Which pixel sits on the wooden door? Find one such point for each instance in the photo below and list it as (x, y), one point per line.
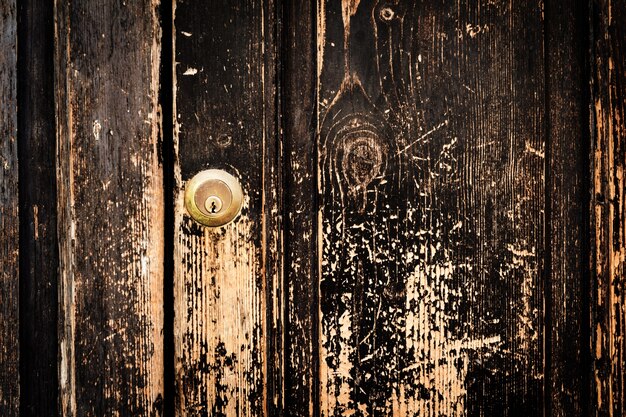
(432, 225)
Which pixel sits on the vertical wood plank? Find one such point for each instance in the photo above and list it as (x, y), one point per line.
(38, 207)
(566, 32)
(608, 217)
(110, 205)
(273, 208)
(226, 279)
(431, 165)
(9, 223)
(301, 257)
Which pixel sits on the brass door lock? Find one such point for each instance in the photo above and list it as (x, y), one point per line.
(213, 197)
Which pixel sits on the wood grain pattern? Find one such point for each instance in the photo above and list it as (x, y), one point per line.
(227, 280)
(567, 191)
(608, 217)
(434, 219)
(431, 158)
(300, 208)
(38, 207)
(9, 223)
(110, 205)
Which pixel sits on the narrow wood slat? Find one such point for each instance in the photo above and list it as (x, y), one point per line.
(567, 96)
(110, 207)
(431, 160)
(9, 224)
(227, 279)
(301, 258)
(608, 215)
(39, 253)
(273, 202)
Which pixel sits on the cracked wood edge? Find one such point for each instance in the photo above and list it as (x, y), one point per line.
(110, 207)
(227, 280)
(9, 223)
(608, 202)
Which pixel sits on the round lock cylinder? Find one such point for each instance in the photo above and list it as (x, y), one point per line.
(213, 197)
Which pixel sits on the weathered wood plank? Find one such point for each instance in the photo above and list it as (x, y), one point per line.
(566, 32)
(9, 224)
(431, 160)
(273, 197)
(608, 216)
(301, 257)
(110, 208)
(38, 206)
(226, 280)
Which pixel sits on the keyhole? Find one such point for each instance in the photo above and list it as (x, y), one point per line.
(213, 204)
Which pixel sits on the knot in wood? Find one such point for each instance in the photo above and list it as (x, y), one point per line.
(386, 14)
(363, 160)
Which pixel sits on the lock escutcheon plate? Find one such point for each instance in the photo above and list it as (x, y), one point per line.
(213, 197)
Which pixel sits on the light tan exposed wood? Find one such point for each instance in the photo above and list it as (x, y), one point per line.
(608, 209)
(221, 337)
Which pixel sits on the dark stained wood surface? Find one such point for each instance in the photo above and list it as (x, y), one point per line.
(273, 195)
(9, 223)
(431, 158)
(38, 228)
(301, 395)
(567, 194)
(110, 208)
(433, 222)
(226, 280)
(608, 216)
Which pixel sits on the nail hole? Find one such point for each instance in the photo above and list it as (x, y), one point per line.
(387, 13)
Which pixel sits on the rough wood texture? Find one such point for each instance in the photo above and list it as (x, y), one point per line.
(608, 216)
(226, 282)
(567, 191)
(110, 207)
(435, 159)
(300, 165)
(9, 225)
(432, 144)
(39, 249)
